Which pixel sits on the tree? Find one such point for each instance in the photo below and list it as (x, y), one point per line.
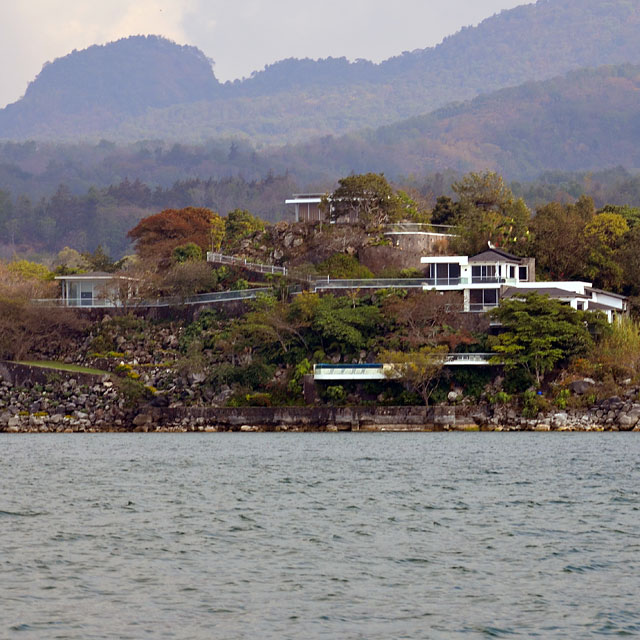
(489, 212)
(604, 234)
(26, 270)
(100, 260)
(69, 261)
(538, 332)
(239, 225)
(445, 212)
(342, 327)
(419, 369)
(485, 191)
(189, 278)
(158, 235)
(420, 318)
(189, 252)
(560, 246)
(367, 198)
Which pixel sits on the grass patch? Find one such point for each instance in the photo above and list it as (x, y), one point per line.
(63, 366)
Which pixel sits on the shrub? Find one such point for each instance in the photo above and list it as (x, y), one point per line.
(502, 397)
(533, 404)
(336, 394)
(341, 265)
(562, 398)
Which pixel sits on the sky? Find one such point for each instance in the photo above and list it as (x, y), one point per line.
(240, 36)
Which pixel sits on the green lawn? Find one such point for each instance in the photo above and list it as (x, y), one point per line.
(63, 366)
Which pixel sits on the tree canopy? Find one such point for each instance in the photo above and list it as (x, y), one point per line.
(538, 332)
(157, 236)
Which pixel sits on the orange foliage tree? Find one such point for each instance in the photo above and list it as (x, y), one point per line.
(158, 235)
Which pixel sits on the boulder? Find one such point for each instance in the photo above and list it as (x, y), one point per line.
(580, 387)
(142, 419)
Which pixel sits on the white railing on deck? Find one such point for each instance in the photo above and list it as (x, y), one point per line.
(235, 261)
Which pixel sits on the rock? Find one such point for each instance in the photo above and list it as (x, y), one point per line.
(542, 426)
(246, 427)
(628, 421)
(453, 396)
(197, 378)
(559, 420)
(580, 387)
(142, 419)
(481, 419)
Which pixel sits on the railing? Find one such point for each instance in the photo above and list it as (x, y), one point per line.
(174, 301)
(454, 359)
(417, 227)
(235, 261)
(482, 307)
(369, 283)
(493, 280)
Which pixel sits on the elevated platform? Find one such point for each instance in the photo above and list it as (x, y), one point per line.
(365, 372)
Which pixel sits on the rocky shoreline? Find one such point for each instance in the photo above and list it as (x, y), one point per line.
(67, 406)
(38, 400)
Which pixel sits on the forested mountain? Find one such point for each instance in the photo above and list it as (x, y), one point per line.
(149, 88)
(103, 86)
(586, 120)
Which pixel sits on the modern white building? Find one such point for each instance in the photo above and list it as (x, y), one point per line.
(494, 274)
(96, 289)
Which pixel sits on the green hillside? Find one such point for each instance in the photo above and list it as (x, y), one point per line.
(588, 119)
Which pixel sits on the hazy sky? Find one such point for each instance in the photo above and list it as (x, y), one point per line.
(241, 36)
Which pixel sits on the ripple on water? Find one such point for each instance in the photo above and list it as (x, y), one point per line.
(318, 536)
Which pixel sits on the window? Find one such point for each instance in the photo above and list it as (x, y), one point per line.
(483, 299)
(483, 273)
(523, 274)
(444, 274)
(512, 271)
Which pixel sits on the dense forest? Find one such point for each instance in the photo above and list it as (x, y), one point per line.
(585, 121)
(147, 87)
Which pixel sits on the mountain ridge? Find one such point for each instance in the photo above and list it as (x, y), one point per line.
(293, 100)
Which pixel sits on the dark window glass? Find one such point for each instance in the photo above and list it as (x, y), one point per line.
(491, 296)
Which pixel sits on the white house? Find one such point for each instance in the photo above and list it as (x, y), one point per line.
(97, 289)
(494, 274)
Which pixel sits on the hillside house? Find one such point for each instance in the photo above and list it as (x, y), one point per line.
(96, 289)
(494, 274)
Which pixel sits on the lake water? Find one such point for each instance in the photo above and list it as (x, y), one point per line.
(340, 536)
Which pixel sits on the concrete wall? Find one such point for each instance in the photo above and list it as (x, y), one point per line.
(17, 374)
(314, 418)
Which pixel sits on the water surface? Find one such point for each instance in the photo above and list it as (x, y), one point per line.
(367, 536)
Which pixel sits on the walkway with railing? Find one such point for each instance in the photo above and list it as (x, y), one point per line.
(174, 301)
(418, 227)
(235, 261)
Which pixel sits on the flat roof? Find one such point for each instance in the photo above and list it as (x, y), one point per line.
(552, 292)
(95, 275)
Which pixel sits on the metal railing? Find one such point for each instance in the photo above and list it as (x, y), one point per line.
(174, 301)
(235, 261)
(418, 227)
(369, 283)
(482, 307)
(493, 280)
